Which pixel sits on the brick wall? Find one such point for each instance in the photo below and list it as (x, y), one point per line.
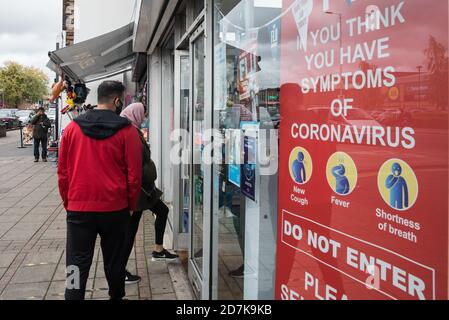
(68, 23)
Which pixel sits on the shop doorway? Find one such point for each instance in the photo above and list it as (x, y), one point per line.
(191, 230)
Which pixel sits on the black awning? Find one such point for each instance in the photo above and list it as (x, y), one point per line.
(109, 53)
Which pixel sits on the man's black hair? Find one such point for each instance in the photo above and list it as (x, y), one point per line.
(109, 90)
(41, 109)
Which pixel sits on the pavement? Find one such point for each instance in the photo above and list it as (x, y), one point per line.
(33, 239)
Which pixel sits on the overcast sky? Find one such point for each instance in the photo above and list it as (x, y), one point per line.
(28, 30)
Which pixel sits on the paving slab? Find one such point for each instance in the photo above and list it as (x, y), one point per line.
(165, 296)
(19, 211)
(4, 227)
(60, 273)
(161, 283)
(42, 257)
(56, 291)
(6, 259)
(157, 267)
(11, 218)
(19, 234)
(28, 291)
(38, 273)
(54, 234)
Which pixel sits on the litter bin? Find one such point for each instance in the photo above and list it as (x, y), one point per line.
(2, 130)
(53, 155)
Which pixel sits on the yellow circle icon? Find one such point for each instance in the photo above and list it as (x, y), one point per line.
(300, 165)
(397, 184)
(341, 173)
(393, 93)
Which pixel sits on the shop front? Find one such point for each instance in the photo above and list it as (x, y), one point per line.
(302, 145)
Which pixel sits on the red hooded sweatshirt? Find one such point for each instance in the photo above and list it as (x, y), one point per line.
(100, 163)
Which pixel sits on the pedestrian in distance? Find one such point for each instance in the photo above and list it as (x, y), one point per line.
(99, 177)
(150, 196)
(41, 123)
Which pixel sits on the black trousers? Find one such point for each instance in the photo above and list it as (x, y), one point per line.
(43, 142)
(82, 231)
(161, 212)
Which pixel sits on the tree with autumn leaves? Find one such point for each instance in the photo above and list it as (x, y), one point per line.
(21, 84)
(437, 66)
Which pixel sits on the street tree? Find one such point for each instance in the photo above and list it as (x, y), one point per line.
(22, 84)
(437, 65)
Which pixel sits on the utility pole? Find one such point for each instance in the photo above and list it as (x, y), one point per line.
(57, 106)
(419, 86)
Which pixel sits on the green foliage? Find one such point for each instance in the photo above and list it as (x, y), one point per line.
(437, 65)
(22, 84)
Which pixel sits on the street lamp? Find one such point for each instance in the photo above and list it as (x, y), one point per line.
(419, 86)
(341, 44)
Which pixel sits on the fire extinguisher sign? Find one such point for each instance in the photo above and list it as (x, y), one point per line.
(363, 199)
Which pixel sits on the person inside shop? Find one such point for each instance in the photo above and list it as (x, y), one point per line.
(41, 124)
(150, 196)
(99, 178)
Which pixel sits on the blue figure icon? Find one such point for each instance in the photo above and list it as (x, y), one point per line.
(299, 169)
(398, 188)
(342, 182)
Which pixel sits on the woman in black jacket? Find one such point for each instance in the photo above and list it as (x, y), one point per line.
(150, 197)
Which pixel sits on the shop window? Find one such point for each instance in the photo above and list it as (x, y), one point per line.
(247, 114)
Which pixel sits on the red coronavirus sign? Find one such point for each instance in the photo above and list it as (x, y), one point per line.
(363, 199)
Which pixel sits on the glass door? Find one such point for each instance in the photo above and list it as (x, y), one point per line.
(182, 172)
(198, 260)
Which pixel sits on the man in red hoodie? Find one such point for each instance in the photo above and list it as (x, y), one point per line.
(99, 178)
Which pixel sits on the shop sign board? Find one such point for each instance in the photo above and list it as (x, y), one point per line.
(362, 204)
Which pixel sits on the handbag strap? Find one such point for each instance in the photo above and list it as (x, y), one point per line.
(148, 194)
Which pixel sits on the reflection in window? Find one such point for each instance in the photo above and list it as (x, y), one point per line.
(246, 94)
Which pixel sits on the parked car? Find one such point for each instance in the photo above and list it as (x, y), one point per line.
(14, 111)
(395, 116)
(25, 116)
(8, 118)
(356, 117)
